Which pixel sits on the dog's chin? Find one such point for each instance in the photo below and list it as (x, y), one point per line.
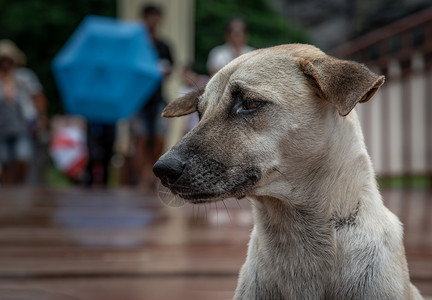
(197, 198)
(203, 195)
(202, 198)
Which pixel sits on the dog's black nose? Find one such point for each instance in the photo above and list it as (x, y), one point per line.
(169, 169)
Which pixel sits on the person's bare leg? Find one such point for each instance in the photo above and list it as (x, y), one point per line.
(6, 174)
(20, 175)
(141, 145)
(152, 181)
(151, 152)
(158, 148)
(142, 159)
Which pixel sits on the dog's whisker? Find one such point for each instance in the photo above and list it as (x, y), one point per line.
(198, 214)
(165, 193)
(226, 208)
(205, 209)
(280, 172)
(217, 214)
(251, 202)
(169, 199)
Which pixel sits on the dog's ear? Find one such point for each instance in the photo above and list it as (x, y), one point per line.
(343, 83)
(183, 105)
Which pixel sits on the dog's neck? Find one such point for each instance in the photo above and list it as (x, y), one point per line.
(327, 185)
(303, 223)
(286, 237)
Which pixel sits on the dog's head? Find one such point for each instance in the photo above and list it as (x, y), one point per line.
(262, 117)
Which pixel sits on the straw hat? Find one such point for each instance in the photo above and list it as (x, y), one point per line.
(10, 50)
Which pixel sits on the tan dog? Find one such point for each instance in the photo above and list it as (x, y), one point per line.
(277, 127)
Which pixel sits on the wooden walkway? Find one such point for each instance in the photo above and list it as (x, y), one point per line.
(122, 245)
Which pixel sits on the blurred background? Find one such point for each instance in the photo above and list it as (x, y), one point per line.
(81, 214)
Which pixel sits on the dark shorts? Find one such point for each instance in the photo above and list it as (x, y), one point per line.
(16, 148)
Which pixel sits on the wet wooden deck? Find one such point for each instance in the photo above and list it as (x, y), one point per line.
(120, 244)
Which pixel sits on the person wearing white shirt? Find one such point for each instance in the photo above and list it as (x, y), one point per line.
(236, 38)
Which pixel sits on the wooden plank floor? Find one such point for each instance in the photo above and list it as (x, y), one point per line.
(120, 244)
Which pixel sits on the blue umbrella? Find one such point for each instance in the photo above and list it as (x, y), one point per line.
(107, 70)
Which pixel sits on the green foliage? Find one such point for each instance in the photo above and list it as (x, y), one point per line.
(400, 182)
(266, 26)
(41, 27)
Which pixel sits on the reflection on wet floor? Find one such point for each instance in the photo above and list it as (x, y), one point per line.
(120, 244)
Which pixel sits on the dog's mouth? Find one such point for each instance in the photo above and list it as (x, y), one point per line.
(200, 180)
(171, 198)
(194, 196)
(200, 197)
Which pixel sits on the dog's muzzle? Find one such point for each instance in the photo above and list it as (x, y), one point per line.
(196, 176)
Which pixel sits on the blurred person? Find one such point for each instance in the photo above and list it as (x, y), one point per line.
(22, 113)
(236, 39)
(152, 129)
(100, 143)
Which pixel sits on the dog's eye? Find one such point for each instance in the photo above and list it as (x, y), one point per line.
(251, 104)
(245, 105)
